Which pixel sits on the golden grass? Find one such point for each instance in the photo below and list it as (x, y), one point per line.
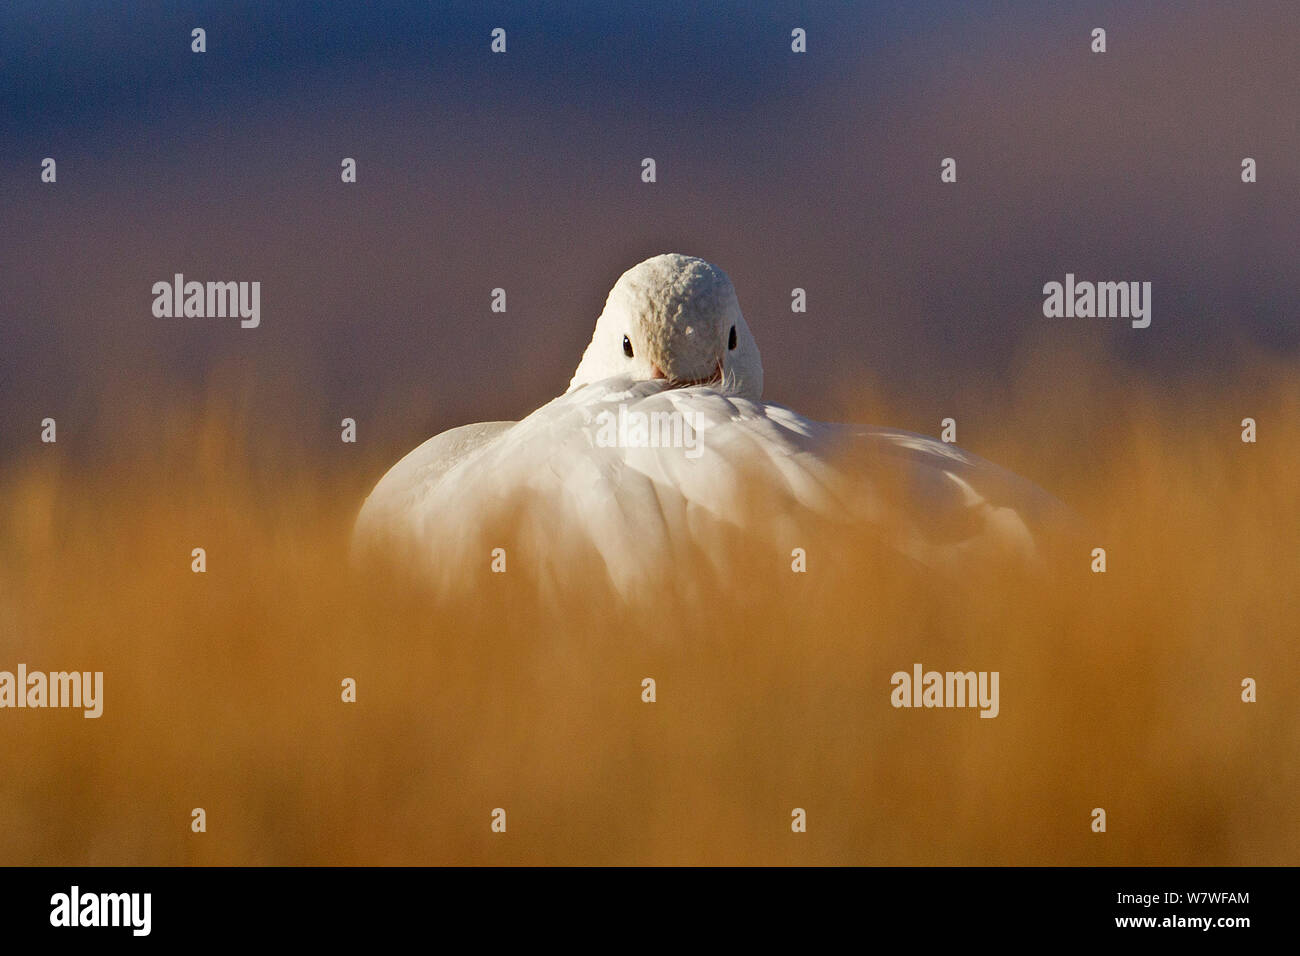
(222, 689)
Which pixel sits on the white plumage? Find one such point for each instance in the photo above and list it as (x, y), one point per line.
(661, 458)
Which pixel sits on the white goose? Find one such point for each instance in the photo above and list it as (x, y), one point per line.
(661, 456)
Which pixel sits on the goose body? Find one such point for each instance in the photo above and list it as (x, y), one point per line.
(662, 449)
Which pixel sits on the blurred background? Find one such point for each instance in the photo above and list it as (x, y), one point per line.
(522, 171)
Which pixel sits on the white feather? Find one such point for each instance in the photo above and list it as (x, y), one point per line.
(557, 493)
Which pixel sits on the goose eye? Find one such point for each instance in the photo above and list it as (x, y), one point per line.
(627, 347)
(731, 342)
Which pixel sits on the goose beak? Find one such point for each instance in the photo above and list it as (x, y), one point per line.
(657, 373)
